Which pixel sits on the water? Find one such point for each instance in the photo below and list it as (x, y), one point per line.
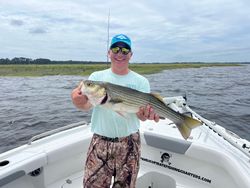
(29, 106)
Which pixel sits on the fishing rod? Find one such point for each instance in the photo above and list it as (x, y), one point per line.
(108, 36)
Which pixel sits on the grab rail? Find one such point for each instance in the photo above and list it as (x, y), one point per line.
(224, 135)
(48, 133)
(180, 101)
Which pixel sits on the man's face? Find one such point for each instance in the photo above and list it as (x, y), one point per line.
(120, 55)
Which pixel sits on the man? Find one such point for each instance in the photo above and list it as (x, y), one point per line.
(115, 147)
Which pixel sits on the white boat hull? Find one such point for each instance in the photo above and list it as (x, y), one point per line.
(205, 160)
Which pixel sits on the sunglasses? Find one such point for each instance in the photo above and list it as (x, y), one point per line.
(118, 49)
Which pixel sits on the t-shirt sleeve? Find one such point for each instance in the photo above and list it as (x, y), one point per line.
(93, 76)
(144, 86)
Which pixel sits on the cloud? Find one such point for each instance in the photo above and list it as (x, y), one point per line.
(16, 22)
(164, 30)
(38, 30)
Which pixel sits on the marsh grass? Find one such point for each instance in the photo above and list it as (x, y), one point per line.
(86, 69)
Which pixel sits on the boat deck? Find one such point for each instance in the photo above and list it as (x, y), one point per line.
(75, 181)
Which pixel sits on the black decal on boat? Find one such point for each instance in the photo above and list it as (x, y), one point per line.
(165, 157)
(207, 180)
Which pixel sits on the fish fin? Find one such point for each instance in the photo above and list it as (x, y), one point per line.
(191, 122)
(115, 101)
(123, 114)
(187, 125)
(184, 130)
(158, 96)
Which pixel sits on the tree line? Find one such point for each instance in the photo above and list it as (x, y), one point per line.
(44, 61)
(41, 61)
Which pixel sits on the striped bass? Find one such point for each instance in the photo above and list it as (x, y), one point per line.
(126, 100)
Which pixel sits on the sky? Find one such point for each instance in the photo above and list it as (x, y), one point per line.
(160, 30)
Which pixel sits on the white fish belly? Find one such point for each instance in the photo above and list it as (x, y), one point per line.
(120, 107)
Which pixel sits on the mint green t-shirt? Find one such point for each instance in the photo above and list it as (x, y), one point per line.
(108, 123)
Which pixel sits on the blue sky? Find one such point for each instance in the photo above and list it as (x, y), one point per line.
(161, 31)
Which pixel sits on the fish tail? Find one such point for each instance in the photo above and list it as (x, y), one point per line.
(187, 125)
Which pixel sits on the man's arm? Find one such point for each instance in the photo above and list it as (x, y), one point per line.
(79, 99)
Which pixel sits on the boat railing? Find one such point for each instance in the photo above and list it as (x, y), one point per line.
(220, 132)
(181, 102)
(48, 133)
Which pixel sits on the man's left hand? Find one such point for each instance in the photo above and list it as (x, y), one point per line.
(147, 113)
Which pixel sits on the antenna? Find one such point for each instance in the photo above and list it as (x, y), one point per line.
(108, 38)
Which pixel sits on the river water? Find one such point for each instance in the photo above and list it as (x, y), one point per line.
(29, 106)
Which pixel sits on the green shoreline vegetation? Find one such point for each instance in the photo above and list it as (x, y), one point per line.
(34, 70)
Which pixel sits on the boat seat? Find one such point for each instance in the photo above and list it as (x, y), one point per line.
(166, 142)
(155, 179)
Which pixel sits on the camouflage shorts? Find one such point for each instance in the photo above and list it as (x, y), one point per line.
(112, 157)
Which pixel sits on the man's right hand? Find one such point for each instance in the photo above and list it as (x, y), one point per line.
(79, 99)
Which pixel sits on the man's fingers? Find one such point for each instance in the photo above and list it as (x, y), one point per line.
(141, 111)
(140, 114)
(79, 87)
(156, 118)
(147, 111)
(150, 114)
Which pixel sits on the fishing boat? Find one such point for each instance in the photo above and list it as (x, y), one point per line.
(211, 157)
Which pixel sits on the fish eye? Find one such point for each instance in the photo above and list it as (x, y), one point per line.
(89, 84)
